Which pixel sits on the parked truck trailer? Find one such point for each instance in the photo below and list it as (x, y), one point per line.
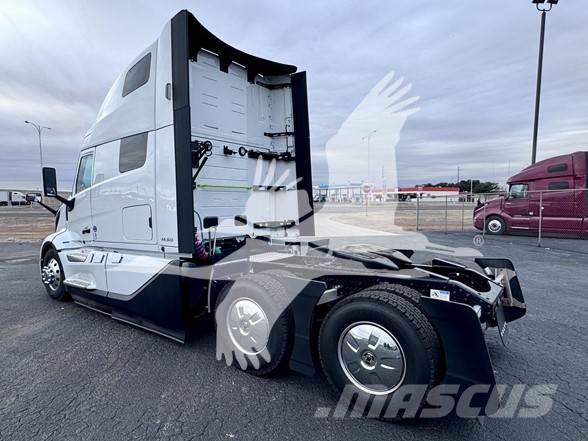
(18, 198)
(4, 197)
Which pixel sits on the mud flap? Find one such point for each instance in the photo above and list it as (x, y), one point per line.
(467, 361)
(503, 329)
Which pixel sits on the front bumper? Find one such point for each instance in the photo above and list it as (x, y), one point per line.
(478, 220)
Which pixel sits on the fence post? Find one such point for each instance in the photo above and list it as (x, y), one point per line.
(446, 208)
(462, 214)
(484, 226)
(540, 218)
(418, 205)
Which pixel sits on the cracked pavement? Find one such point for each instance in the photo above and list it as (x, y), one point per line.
(68, 373)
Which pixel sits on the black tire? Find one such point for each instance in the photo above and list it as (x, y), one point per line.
(56, 290)
(495, 225)
(400, 290)
(271, 296)
(419, 344)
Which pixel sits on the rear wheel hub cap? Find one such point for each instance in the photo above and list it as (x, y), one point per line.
(371, 358)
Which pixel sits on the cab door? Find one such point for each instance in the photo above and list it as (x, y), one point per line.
(516, 207)
(79, 217)
(84, 266)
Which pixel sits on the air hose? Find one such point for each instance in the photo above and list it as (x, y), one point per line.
(199, 249)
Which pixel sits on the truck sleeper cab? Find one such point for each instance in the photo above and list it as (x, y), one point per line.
(193, 195)
(559, 185)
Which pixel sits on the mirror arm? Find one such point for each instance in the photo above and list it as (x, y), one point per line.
(69, 203)
(47, 207)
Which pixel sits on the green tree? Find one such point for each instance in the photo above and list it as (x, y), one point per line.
(466, 186)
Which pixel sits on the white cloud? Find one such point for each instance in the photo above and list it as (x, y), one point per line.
(473, 65)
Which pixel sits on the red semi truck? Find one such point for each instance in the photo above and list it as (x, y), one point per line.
(557, 184)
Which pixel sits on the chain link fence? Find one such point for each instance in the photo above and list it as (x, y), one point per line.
(532, 216)
(538, 215)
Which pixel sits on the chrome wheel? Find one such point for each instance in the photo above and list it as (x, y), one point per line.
(371, 358)
(51, 274)
(495, 226)
(248, 326)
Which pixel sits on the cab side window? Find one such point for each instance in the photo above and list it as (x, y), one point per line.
(519, 190)
(132, 153)
(84, 178)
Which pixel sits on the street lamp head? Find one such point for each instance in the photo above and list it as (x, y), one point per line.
(26, 122)
(546, 8)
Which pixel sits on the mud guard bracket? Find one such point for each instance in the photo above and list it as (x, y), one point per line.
(519, 308)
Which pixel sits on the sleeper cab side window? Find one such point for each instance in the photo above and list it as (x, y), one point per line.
(558, 168)
(563, 185)
(138, 75)
(133, 152)
(84, 178)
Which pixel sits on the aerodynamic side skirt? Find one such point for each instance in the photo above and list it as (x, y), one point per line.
(101, 304)
(159, 306)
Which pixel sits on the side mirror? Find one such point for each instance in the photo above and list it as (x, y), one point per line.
(210, 222)
(49, 182)
(50, 187)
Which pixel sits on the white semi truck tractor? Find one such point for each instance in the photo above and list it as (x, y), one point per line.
(193, 196)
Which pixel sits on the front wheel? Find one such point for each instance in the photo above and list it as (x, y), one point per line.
(495, 225)
(52, 276)
(380, 345)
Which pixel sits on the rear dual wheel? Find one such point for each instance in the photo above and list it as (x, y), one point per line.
(254, 324)
(375, 342)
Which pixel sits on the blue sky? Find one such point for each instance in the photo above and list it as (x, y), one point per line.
(473, 65)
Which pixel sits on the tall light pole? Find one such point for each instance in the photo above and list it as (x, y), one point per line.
(39, 128)
(368, 137)
(544, 9)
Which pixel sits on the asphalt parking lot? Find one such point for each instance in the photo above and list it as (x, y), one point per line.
(70, 373)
